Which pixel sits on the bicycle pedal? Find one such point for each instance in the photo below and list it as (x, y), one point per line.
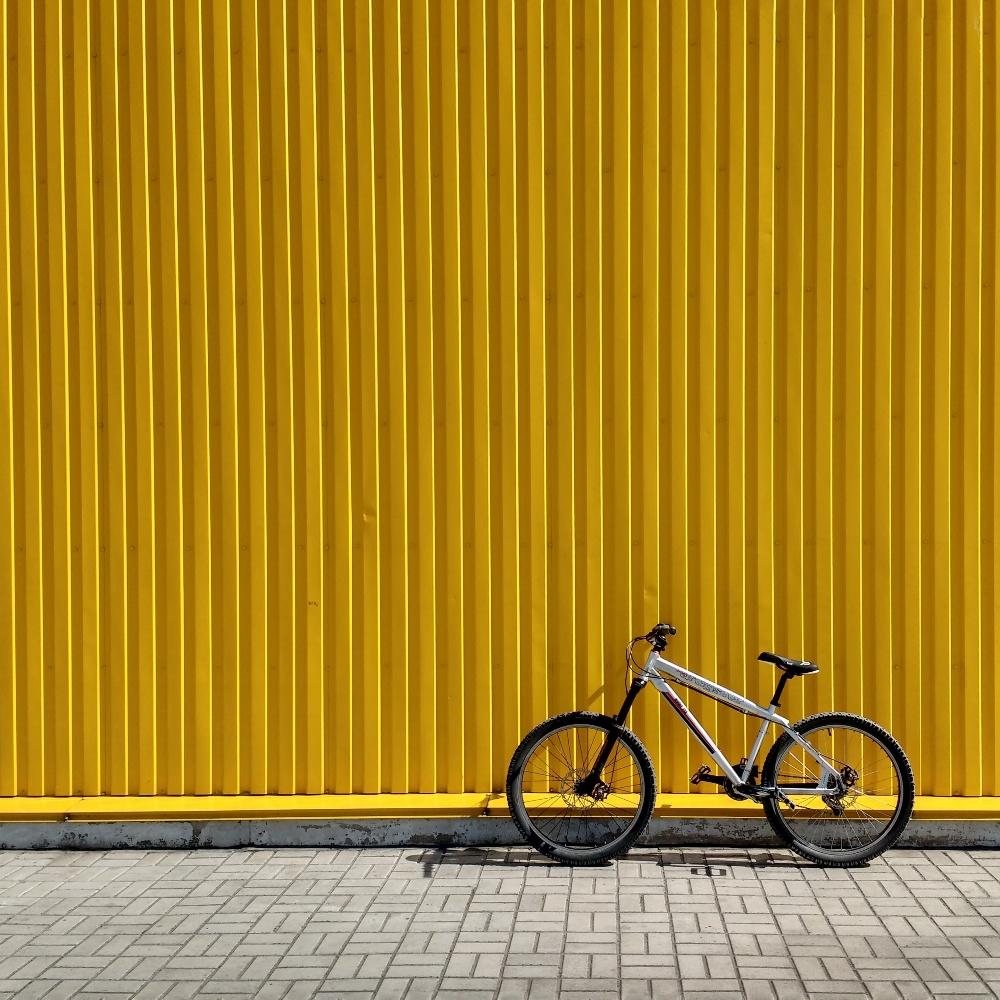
(699, 774)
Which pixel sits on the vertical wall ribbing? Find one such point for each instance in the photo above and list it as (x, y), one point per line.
(8, 482)
(372, 372)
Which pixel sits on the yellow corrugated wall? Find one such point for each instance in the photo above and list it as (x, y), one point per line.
(371, 372)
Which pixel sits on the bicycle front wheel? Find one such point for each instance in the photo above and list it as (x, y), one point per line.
(552, 811)
(867, 807)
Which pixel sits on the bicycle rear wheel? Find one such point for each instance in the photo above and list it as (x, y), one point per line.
(551, 812)
(864, 814)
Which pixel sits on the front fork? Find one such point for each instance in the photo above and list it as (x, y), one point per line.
(589, 784)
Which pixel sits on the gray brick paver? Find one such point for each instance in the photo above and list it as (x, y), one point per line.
(503, 924)
(152, 990)
(392, 989)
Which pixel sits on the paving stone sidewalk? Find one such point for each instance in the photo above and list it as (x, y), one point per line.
(498, 924)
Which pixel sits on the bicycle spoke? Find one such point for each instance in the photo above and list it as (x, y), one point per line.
(815, 821)
(574, 820)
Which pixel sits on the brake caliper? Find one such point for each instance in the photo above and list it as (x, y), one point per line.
(848, 779)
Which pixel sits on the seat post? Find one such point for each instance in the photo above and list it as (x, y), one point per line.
(777, 691)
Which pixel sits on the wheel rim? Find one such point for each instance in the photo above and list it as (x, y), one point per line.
(863, 803)
(548, 800)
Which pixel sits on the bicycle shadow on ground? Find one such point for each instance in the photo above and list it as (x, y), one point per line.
(687, 862)
(480, 857)
(703, 861)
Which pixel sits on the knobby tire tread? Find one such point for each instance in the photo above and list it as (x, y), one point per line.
(607, 852)
(907, 789)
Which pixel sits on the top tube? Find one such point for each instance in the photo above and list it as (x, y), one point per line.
(656, 664)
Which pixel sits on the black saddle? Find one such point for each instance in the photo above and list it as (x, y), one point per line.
(793, 668)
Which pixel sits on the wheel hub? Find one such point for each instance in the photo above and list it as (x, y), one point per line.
(846, 792)
(577, 792)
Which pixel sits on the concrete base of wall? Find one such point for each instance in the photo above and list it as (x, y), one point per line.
(471, 832)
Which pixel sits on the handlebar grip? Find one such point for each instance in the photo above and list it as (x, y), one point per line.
(663, 628)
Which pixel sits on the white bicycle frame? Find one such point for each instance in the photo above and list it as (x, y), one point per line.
(654, 670)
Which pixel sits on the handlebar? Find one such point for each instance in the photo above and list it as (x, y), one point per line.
(657, 635)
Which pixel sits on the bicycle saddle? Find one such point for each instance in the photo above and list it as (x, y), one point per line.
(794, 668)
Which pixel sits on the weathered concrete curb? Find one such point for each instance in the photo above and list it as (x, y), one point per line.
(472, 832)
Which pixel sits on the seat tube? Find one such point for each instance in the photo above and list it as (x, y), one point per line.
(756, 748)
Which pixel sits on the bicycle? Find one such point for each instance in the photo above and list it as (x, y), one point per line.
(836, 788)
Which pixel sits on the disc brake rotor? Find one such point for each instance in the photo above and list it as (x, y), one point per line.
(575, 799)
(847, 790)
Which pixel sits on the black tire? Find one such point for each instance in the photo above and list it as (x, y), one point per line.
(881, 829)
(602, 835)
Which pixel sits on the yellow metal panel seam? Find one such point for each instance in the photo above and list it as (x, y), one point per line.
(868, 413)
(478, 520)
(560, 394)
(338, 598)
(702, 437)
(57, 635)
(591, 648)
(732, 312)
(852, 620)
(820, 327)
(8, 593)
(368, 658)
(300, 287)
(181, 383)
(762, 485)
(534, 570)
(812, 348)
(937, 472)
(968, 331)
(227, 557)
(313, 722)
(991, 361)
(421, 425)
(673, 455)
(448, 380)
(114, 647)
(278, 662)
(646, 471)
(913, 404)
(392, 336)
(510, 633)
(87, 693)
(145, 766)
(790, 354)
(28, 468)
(879, 532)
(256, 776)
(202, 667)
(285, 535)
(168, 461)
(617, 323)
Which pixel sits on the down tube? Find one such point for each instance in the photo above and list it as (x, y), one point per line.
(695, 726)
